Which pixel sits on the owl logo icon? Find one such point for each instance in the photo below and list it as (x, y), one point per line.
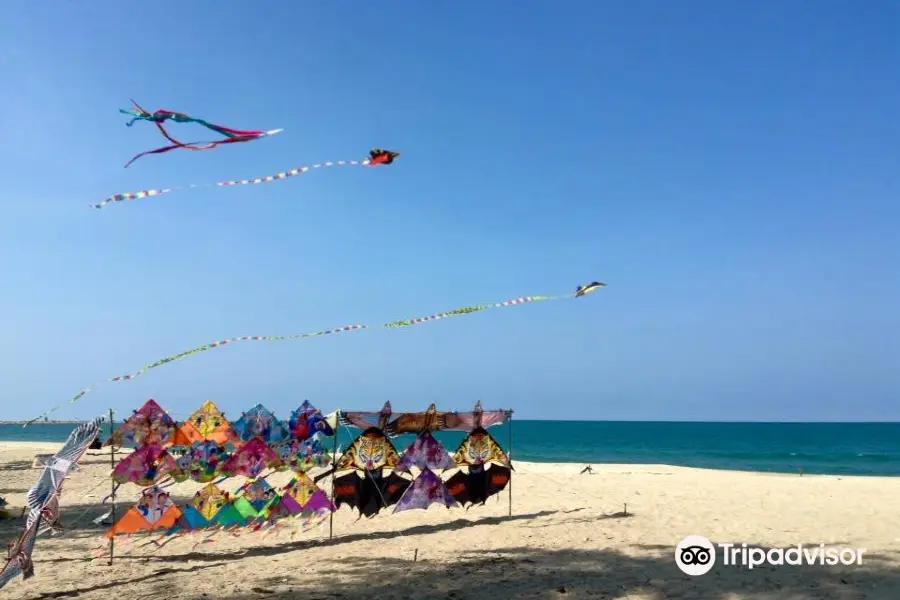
(695, 555)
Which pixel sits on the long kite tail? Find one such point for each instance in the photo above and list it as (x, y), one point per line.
(159, 117)
(298, 336)
(198, 146)
(267, 179)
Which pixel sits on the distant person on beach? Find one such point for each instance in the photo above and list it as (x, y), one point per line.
(588, 469)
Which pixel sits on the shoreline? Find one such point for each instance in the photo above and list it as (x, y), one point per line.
(541, 467)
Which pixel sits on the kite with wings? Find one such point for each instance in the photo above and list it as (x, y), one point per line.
(485, 469)
(466, 421)
(365, 487)
(430, 420)
(43, 501)
(364, 420)
(583, 290)
(377, 156)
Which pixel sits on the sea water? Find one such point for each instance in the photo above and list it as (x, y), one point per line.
(815, 448)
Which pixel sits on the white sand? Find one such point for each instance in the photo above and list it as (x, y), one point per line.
(565, 540)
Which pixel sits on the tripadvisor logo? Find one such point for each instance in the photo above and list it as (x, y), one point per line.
(695, 555)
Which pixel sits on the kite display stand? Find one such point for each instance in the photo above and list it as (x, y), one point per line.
(112, 464)
(509, 446)
(218, 450)
(333, 466)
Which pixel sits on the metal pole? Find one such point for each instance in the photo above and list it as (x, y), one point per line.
(337, 429)
(510, 444)
(112, 464)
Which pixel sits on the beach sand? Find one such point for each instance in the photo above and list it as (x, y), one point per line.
(567, 538)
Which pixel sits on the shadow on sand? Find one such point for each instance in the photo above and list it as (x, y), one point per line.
(530, 573)
(647, 572)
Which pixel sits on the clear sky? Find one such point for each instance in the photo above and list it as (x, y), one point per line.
(732, 170)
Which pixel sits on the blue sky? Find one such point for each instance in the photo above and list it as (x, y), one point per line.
(731, 171)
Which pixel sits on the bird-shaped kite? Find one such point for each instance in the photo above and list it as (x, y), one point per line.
(583, 290)
(377, 156)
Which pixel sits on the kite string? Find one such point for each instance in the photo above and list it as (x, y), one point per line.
(257, 338)
(87, 494)
(250, 528)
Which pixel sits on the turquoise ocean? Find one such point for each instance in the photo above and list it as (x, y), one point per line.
(815, 448)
